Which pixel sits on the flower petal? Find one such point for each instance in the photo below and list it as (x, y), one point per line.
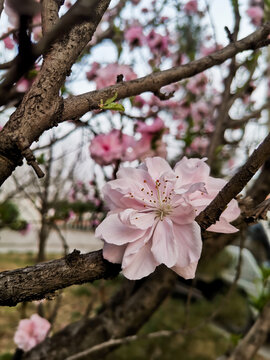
(192, 170)
(222, 226)
(113, 231)
(163, 245)
(189, 243)
(157, 166)
(113, 253)
(187, 272)
(142, 263)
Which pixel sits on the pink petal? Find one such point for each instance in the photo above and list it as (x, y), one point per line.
(113, 231)
(187, 272)
(138, 219)
(113, 253)
(183, 214)
(189, 243)
(163, 245)
(232, 211)
(142, 263)
(192, 170)
(157, 166)
(222, 226)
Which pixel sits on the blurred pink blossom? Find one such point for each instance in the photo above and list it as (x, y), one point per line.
(158, 43)
(31, 332)
(256, 15)
(191, 7)
(108, 75)
(93, 72)
(152, 217)
(9, 43)
(157, 125)
(107, 148)
(134, 36)
(199, 111)
(197, 84)
(199, 145)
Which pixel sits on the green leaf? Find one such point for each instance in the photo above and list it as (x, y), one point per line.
(110, 100)
(114, 106)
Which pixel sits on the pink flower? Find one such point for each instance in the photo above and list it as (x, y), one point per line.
(197, 84)
(200, 145)
(31, 332)
(134, 36)
(156, 126)
(191, 7)
(152, 217)
(256, 15)
(106, 148)
(146, 147)
(199, 111)
(158, 43)
(92, 73)
(9, 43)
(23, 84)
(108, 75)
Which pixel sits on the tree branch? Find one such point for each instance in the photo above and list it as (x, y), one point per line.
(42, 106)
(256, 336)
(126, 312)
(213, 211)
(76, 106)
(36, 282)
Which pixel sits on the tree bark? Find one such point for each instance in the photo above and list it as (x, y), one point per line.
(128, 310)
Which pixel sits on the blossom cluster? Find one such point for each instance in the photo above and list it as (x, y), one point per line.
(152, 216)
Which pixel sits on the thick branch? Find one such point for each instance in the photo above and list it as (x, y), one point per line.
(76, 106)
(36, 282)
(41, 106)
(128, 310)
(256, 336)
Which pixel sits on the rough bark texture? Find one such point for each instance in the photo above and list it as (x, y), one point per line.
(36, 282)
(128, 310)
(42, 107)
(254, 339)
(261, 187)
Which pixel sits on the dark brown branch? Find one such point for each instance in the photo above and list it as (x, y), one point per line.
(79, 13)
(36, 282)
(208, 216)
(76, 106)
(41, 107)
(255, 338)
(127, 311)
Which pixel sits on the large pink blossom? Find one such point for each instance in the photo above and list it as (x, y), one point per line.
(106, 148)
(152, 217)
(256, 15)
(31, 332)
(108, 75)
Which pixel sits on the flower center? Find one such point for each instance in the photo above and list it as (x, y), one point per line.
(163, 210)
